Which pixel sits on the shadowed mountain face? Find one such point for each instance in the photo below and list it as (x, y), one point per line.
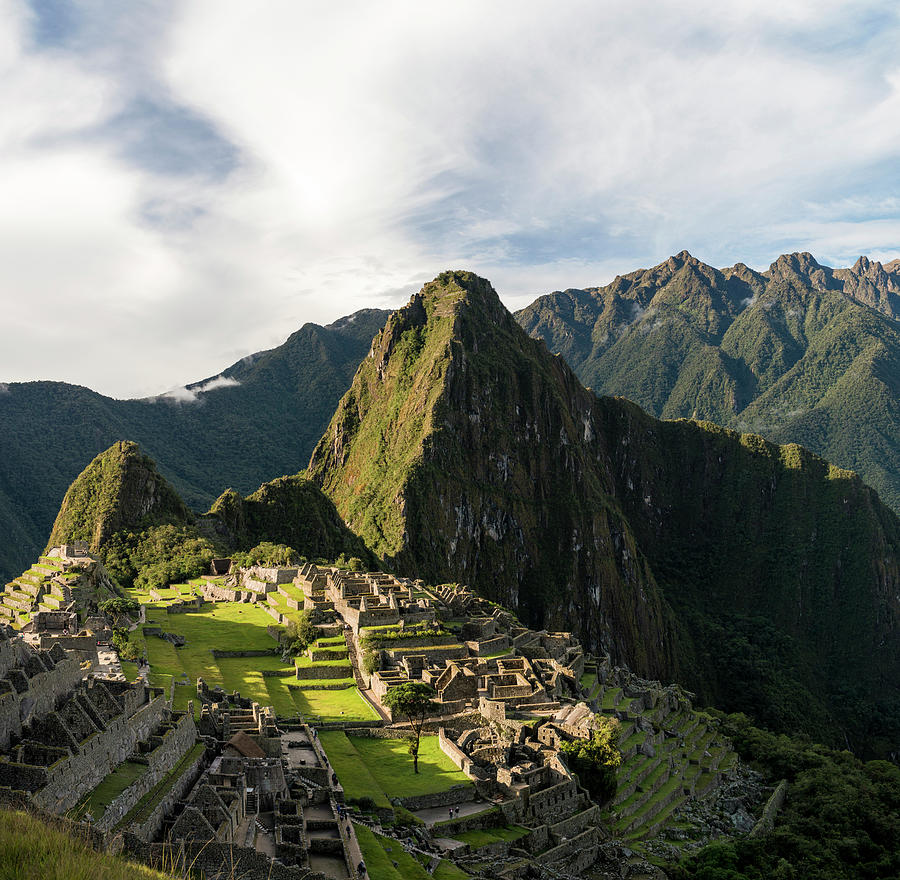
(262, 423)
(759, 575)
(801, 353)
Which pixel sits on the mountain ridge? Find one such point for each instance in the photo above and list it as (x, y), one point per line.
(202, 443)
(800, 353)
(465, 451)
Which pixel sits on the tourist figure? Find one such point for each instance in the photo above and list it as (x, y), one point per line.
(451, 812)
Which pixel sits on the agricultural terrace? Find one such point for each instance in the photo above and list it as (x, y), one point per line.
(382, 769)
(238, 626)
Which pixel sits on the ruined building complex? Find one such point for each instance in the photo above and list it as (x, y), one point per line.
(241, 785)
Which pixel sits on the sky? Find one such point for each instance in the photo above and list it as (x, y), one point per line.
(185, 182)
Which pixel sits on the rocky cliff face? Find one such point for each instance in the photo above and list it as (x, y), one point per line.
(119, 490)
(465, 451)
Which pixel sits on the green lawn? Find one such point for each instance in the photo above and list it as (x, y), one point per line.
(236, 626)
(351, 769)
(483, 837)
(341, 705)
(368, 766)
(110, 788)
(381, 854)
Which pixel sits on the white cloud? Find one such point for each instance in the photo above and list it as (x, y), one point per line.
(184, 394)
(542, 146)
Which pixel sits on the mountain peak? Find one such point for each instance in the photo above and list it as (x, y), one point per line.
(801, 267)
(120, 489)
(458, 289)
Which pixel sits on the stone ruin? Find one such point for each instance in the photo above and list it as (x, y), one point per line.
(518, 764)
(65, 579)
(62, 734)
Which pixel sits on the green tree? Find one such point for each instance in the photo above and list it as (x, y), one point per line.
(118, 607)
(371, 661)
(412, 700)
(301, 632)
(596, 759)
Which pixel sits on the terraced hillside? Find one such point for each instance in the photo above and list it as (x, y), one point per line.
(54, 583)
(672, 755)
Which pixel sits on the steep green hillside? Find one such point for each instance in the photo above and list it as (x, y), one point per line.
(146, 535)
(60, 851)
(120, 490)
(291, 511)
(759, 575)
(457, 455)
(237, 435)
(801, 353)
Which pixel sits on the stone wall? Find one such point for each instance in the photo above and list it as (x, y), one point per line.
(344, 670)
(552, 802)
(152, 825)
(455, 795)
(29, 689)
(74, 777)
(455, 753)
(491, 817)
(767, 820)
(216, 859)
(493, 710)
(434, 655)
(175, 743)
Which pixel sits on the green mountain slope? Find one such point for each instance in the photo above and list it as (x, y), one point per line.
(801, 353)
(145, 534)
(120, 490)
(759, 575)
(233, 435)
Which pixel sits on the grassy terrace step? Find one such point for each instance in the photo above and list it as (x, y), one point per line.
(611, 697)
(386, 859)
(485, 837)
(141, 811)
(293, 592)
(704, 783)
(110, 788)
(654, 804)
(659, 771)
(729, 759)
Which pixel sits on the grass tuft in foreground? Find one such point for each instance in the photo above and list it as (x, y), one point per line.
(31, 849)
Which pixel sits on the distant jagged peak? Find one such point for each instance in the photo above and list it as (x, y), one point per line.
(801, 267)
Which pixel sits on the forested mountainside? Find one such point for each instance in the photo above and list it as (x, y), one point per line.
(465, 451)
(135, 521)
(800, 354)
(232, 435)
